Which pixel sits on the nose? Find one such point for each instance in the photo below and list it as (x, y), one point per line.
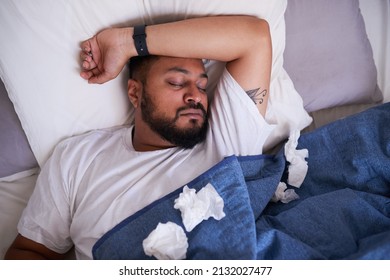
(193, 95)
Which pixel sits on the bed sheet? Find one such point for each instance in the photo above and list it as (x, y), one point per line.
(14, 195)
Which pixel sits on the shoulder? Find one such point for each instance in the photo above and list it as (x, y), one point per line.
(73, 156)
(90, 142)
(93, 136)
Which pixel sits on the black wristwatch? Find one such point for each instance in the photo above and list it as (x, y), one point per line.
(139, 38)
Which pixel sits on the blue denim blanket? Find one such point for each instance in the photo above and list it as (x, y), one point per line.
(343, 211)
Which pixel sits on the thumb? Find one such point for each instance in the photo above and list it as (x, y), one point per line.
(101, 78)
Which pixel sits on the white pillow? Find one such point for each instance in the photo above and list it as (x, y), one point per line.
(39, 63)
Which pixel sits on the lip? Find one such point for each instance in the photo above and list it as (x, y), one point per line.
(192, 113)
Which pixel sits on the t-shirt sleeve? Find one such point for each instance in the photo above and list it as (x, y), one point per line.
(46, 218)
(237, 126)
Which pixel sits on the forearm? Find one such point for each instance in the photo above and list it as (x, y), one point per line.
(223, 38)
(244, 42)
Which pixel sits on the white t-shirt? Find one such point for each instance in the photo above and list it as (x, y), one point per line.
(94, 181)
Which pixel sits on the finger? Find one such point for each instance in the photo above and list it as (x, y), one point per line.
(86, 75)
(90, 48)
(101, 78)
(86, 46)
(89, 65)
(87, 60)
(85, 56)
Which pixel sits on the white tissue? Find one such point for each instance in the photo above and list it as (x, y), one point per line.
(166, 242)
(298, 167)
(283, 194)
(196, 207)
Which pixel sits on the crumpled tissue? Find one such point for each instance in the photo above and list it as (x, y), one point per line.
(298, 167)
(283, 194)
(196, 207)
(166, 242)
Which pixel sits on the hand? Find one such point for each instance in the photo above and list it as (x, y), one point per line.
(105, 54)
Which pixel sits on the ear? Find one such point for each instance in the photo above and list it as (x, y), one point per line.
(134, 92)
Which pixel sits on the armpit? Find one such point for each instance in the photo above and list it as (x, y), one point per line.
(257, 95)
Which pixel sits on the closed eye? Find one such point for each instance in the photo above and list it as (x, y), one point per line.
(175, 85)
(179, 86)
(202, 89)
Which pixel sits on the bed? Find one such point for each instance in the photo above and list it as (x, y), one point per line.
(330, 72)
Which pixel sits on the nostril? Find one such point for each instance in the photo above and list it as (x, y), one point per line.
(193, 99)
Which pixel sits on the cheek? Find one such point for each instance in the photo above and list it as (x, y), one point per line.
(206, 104)
(165, 105)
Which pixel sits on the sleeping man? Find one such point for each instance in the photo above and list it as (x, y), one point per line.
(94, 181)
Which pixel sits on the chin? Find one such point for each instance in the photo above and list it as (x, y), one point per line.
(190, 124)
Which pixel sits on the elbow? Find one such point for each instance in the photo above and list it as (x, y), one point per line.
(258, 37)
(260, 30)
(255, 32)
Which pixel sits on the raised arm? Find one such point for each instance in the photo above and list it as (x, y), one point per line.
(242, 41)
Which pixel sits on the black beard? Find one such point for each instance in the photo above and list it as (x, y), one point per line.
(167, 129)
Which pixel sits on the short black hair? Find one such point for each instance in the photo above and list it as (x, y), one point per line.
(139, 66)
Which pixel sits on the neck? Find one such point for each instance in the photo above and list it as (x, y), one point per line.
(146, 140)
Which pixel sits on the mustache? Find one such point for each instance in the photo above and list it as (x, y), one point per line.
(192, 106)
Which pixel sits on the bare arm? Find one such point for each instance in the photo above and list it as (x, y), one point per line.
(25, 249)
(242, 41)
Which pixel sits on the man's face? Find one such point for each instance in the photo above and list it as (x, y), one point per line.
(174, 100)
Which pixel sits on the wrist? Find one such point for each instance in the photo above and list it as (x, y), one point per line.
(139, 37)
(128, 42)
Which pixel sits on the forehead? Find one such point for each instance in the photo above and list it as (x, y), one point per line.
(187, 66)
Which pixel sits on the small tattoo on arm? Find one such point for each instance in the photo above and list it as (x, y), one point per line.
(257, 95)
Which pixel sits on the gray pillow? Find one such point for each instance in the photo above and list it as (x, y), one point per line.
(15, 152)
(328, 55)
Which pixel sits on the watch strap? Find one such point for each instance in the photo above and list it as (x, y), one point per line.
(139, 37)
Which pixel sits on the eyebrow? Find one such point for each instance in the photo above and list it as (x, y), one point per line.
(186, 72)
